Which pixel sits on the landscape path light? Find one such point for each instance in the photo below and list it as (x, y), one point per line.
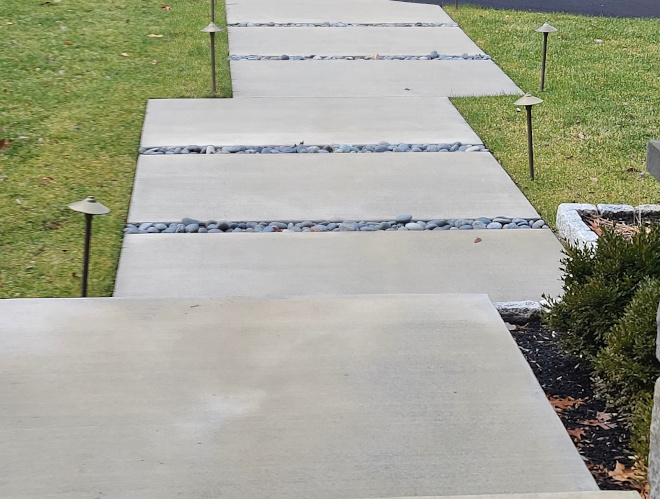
(545, 29)
(90, 207)
(528, 100)
(212, 29)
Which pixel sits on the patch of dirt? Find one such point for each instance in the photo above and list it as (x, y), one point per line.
(599, 436)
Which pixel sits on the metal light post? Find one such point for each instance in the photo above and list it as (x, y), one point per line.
(545, 29)
(89, 207)
(212, 29)
(528, 100)
(213, 11)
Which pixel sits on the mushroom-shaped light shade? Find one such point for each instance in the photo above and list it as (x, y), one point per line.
(89, 206)
(527, 100)
(546, 28)
(212, 28)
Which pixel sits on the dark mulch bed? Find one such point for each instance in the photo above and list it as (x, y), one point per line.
(599, 436)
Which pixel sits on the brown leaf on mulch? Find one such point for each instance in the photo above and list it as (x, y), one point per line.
(622, 474)
(602, 420)
(576, 433)
(559, 404)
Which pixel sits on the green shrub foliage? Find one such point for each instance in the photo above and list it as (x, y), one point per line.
(627, 365)
(598, 285)
(608, 314)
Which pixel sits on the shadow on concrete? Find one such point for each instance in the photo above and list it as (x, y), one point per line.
(609, 8)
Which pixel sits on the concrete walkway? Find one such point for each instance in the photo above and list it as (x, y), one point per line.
(330, 365)
(328, 398)
(333, 187)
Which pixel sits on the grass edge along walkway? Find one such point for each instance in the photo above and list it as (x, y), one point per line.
(76, 79)
(602, 102)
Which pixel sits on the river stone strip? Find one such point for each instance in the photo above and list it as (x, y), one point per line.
(401, 222)
(381, 147)
(430, 57)
(343, 25)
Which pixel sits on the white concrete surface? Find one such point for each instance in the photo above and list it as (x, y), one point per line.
(302, 398)
(332, 187)
(282, 121)
(348, 11)
(342, 78)
(508, 265)
(350, 41)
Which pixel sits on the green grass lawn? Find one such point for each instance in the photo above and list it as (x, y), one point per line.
(602, 104)
(71, 111)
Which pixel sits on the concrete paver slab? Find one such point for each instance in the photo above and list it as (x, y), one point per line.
(348, 11)
(342, 78)
(333, 187)
(315, 398)
(508, 265)
(282, 121)
(350, 41)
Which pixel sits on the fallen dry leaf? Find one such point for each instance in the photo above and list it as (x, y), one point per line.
(52, 225)
(594, 179)
(622, 474)
(5, 143)
(165, 7)
(47, 180)
(478, 240)
(602, 420)
(124, 54)
(581, 135)
(559, 404)
(151, 35)
(576, 433)
(3, 178)
(154, 62)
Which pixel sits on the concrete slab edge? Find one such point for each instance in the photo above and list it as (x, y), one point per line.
(601, 494)
(572, 229)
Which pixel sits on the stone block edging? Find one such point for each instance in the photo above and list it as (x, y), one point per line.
(572, 229)
(520, 312)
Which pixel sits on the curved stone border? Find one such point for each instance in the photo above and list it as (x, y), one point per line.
(402, 222)
(342, 25)
(572, 229)
(433, 56)
(381, 147)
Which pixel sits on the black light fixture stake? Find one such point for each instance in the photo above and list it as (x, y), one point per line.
(90, 207)
(528, 100)
(212, 29)
(213, 11)
(545, 29)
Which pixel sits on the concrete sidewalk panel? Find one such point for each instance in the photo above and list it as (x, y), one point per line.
(347, 11)
(508, 265)
(332, 187)
(365, 41)
(317, 398)
(317, 121)
(345, 78)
